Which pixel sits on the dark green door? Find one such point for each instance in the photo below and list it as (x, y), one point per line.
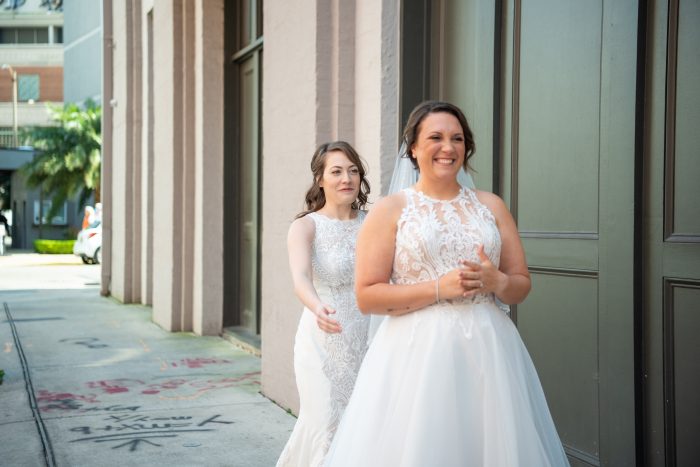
(672, 237)
(549, 88)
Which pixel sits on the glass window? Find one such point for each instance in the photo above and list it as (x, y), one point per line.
(260, 18)
(244, 23)
(58, 219)
(58, 35)
(42, 35)
(26, 36)
(27, 87)
(8, 35)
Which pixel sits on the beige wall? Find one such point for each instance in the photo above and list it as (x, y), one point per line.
(330, 71)
(178, 196)
(344, 83)
(289, 122)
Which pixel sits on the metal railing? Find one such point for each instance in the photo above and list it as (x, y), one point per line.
(7, 138)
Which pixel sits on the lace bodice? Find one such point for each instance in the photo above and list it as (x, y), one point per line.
(333, 264)
(433, 236)
(333, 251)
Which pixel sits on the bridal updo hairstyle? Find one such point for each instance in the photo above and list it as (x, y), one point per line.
(422, 110)
(315, 198)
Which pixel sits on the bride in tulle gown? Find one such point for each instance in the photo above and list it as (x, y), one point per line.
(332, 335)
(447, 381)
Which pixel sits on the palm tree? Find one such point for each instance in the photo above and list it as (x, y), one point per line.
(68, 159)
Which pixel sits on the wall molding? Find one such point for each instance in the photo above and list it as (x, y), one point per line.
(568, 272)
(562, 235)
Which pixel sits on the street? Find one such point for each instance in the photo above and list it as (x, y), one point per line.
(89, 381)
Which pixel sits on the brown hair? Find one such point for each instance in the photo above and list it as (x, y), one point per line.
(422, 110)
(315, 198)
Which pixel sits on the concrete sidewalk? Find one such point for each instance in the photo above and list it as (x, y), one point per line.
(89, 381)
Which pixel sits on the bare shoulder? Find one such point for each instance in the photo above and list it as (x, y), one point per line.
(303, 227)
(492, 201)
(387, 209)
(497, 207)
(389, 204)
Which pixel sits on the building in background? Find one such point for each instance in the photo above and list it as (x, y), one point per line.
(31, 76)
(585, 118)
(82, 51)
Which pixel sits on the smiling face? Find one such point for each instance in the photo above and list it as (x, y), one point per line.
(439, 148)
(340, 180)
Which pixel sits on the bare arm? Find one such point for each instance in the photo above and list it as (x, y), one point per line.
(374, 262)
(299, 240)
(510, 282)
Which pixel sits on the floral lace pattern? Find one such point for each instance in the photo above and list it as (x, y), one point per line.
(333, 263)
(433, 236)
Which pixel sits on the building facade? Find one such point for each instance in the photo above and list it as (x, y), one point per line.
(31, 76)
(82, 51)
(583, 114)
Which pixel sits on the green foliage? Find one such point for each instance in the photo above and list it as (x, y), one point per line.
(69, 158)
(2, 375)
(54, 247)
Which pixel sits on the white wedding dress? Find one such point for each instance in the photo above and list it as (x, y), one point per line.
(326, 365)
(450, 385)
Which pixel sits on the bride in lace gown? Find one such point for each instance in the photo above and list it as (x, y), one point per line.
(331, 339)
(447, 380)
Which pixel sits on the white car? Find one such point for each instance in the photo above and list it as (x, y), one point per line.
(89, 244)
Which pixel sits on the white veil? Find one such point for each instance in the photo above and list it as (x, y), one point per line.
(404, 176)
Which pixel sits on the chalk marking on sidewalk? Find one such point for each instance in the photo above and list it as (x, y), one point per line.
(41, 428)
(133, 429)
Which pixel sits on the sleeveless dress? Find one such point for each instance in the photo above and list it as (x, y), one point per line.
(326, 365)
(450, 385)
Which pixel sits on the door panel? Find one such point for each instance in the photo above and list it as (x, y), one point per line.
(570, 123)
(463, 74)
(686, 211)
(672, 237)
(683, 314)
(248, 180)
(559, 116)
(566, 352)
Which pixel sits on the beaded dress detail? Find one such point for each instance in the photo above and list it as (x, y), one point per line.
(326, 365)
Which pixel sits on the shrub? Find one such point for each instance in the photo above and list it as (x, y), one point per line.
(54, 247)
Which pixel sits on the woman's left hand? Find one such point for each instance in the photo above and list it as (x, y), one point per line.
(482, 277)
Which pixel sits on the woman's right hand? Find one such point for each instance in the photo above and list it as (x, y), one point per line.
(323, 320)
(451, 286)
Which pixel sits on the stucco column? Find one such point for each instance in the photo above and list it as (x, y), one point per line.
(145, 225)
(120, 286)
(330, 72)
(377, 123)
(289, 120)
(208, 222)
(167, 99)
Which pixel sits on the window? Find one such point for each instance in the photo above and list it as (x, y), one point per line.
(58, 35)
(26, 35)
(27, 87)
(42, 36)
(58, 219)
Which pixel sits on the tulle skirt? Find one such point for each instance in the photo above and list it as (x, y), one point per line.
(449, 385)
